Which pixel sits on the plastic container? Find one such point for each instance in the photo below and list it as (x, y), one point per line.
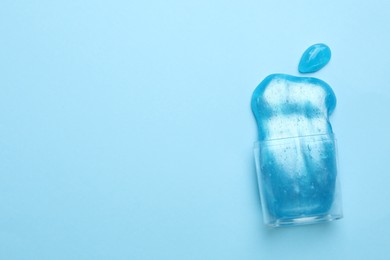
(298, 180)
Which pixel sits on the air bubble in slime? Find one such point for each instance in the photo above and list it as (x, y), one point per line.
(296, 150)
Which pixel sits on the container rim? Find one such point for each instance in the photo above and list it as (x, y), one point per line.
(327, 136)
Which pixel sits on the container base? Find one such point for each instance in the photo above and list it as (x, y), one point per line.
(304, 220)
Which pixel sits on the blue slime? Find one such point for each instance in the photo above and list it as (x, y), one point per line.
(314, 58)
(297, 159)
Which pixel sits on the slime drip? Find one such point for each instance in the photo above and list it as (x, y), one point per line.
(287, 106)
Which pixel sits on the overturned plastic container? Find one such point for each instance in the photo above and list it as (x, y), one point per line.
(298, 180)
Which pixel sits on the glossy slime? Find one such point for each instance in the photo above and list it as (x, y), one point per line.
(296, 159)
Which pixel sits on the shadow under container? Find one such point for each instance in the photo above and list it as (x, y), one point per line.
(298, 180)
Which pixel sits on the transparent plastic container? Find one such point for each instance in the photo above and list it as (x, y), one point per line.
(298, 180)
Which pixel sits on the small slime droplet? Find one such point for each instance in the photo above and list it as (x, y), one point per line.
(314, 58)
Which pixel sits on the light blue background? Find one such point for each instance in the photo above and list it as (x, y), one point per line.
(126, 130)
